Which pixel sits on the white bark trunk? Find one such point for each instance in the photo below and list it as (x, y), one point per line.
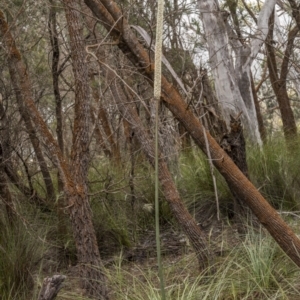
(261, 30)
(232, 83)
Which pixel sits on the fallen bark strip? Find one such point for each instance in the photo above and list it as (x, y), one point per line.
(236, 180)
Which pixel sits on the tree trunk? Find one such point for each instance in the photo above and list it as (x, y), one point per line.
(98, 135)
(102, 118)
(235, 146)
(237, 181)
(86, 244)
(279, 82)
(32, 136)
(52, 24)
(196, 237)
(4, 190)
(5, 152)
(74, 179)
(232, 80)
(261, 126)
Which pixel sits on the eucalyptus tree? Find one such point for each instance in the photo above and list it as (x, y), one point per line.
(279, 79)
(73, 174)
(118, 28)
(196, 236)
(231, 58)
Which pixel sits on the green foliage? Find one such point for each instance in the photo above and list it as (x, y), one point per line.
(255, 269)
(195, 182)
(275, 172)
(21, 249)
(123, 206)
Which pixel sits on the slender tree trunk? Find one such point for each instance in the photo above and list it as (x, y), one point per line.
(196, 237)
(15, 179)
(85, 238)
(4, 189)
(261, 126)
(236, 180)
(5, 151)
(99, 136)
(102, 118)
(33, 137)
(279, 81)
(62, 228)
(74, 179)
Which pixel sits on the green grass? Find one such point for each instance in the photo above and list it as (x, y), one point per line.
(275, 172)
(254, 269)
(21, 252)
(195, 182)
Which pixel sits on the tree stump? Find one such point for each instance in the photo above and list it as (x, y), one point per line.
(51, 286)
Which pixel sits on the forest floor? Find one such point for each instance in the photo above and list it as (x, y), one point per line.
(133, 273)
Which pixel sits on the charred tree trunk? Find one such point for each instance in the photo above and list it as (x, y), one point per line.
(109, 12)
(234, 145)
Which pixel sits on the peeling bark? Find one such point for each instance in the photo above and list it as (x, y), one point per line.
(233, 80)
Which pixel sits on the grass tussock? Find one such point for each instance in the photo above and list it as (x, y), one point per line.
(275, 172)
(256, 269)
(21, 252)
(122, 200)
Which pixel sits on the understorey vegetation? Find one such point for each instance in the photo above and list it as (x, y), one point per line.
(149, 149)
(246, 265)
